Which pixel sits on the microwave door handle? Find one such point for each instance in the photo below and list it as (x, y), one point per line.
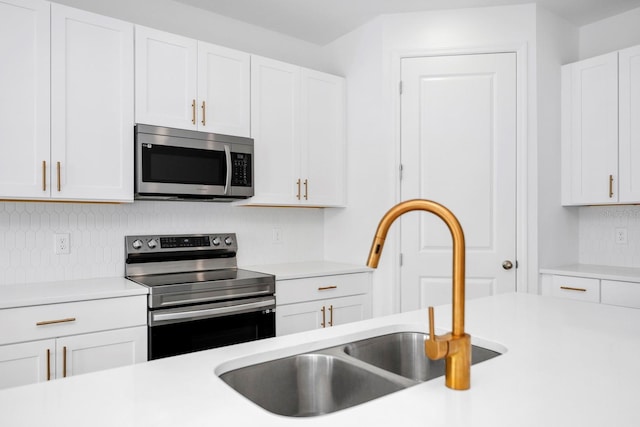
(227, 154)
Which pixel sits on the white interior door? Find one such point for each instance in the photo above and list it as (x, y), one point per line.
(458, 125)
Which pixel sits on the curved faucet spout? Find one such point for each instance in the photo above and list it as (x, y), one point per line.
(455, 347)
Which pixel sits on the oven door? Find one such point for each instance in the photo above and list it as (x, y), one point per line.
(170, 165)
(193, 328)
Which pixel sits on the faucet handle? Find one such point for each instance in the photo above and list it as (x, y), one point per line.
(436, 347)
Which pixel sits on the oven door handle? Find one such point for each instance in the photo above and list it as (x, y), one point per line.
(227, 155)
(182, 316)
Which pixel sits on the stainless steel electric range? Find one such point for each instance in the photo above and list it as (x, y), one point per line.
(198, 298)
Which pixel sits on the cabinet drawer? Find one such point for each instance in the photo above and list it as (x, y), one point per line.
(315, 288)
(579, 288)
(625, 294)
(56, 320)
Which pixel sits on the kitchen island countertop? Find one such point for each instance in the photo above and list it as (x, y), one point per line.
(567, 363)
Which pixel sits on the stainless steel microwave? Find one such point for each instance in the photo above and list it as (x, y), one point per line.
(177, 164)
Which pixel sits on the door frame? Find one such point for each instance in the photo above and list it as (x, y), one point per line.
(526, 159)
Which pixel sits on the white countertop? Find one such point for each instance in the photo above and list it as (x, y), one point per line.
(606, 272)
(27, 294)
(299, 270)
(568, 363)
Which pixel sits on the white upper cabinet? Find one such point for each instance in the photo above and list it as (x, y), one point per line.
(186, 84)
(275, 112)
(297, 122)
(601, 129)
(166, 79)
(629, 136)
(91, 106)
(224, 96)
(590, 131)
(66, 110)
(324, 145)
(24, 98)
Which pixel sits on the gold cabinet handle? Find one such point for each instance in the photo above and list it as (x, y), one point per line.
(44, 175)
(193, 111)
(204, 114)
(51, 322)
(324, 317)
(64, 362)
(48, 365)
(298, 184)
(326, 288)
(330, 315)
(611, 186)
(569, 288)
(58, 174)
(306, 189)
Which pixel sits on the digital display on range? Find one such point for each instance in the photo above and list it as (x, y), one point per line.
(184, 241)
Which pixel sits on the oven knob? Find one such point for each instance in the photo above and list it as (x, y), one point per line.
(216, 241)
(152, 243)
(137, 244)
(228, 241)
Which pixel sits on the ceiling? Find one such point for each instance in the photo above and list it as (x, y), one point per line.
(322, 21)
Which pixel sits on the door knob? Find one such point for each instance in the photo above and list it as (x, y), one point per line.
(507, 265)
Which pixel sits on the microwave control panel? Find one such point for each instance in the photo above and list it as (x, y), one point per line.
(241, 170)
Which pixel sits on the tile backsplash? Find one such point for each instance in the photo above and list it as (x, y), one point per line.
(598, 227)
(97, 233)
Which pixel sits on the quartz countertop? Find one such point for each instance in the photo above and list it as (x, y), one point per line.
(28, 294)
(606, 272)
(300, 270)
(565, 363)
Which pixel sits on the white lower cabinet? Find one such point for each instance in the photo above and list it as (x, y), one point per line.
(322, 302)
(591, 289)
(59, 340)
(626, 294)
(45, 360)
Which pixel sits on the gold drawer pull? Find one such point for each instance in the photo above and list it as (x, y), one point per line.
(51, 322)
(326, 288)
(48, 365)
(44, 175)
(331, 315)
(324, 316)
(64, 362)
(568, 288)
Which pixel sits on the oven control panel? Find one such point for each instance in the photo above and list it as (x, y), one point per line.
(180, 242)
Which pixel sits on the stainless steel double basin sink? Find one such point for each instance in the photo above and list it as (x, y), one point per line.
(339, 377)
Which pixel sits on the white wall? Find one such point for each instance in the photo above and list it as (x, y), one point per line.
(607, 35)
(558, 226)
(366, 57)
(97, 235)
(179, 18)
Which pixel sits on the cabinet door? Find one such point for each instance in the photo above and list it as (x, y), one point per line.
(165, 82)
(24, 99)
(27, 363)
(324, 149)
(275, 108)
(80, 354)
(224, 98)
(92, 106)
(625, 294)
(629, 126)
(348, 309)
(590, 131)
(300, 317)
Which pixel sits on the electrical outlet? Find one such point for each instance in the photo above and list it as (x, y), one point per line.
(61, 243)
(621, 236)
(277, 235)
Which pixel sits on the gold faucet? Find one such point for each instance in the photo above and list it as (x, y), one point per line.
(454, 347)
